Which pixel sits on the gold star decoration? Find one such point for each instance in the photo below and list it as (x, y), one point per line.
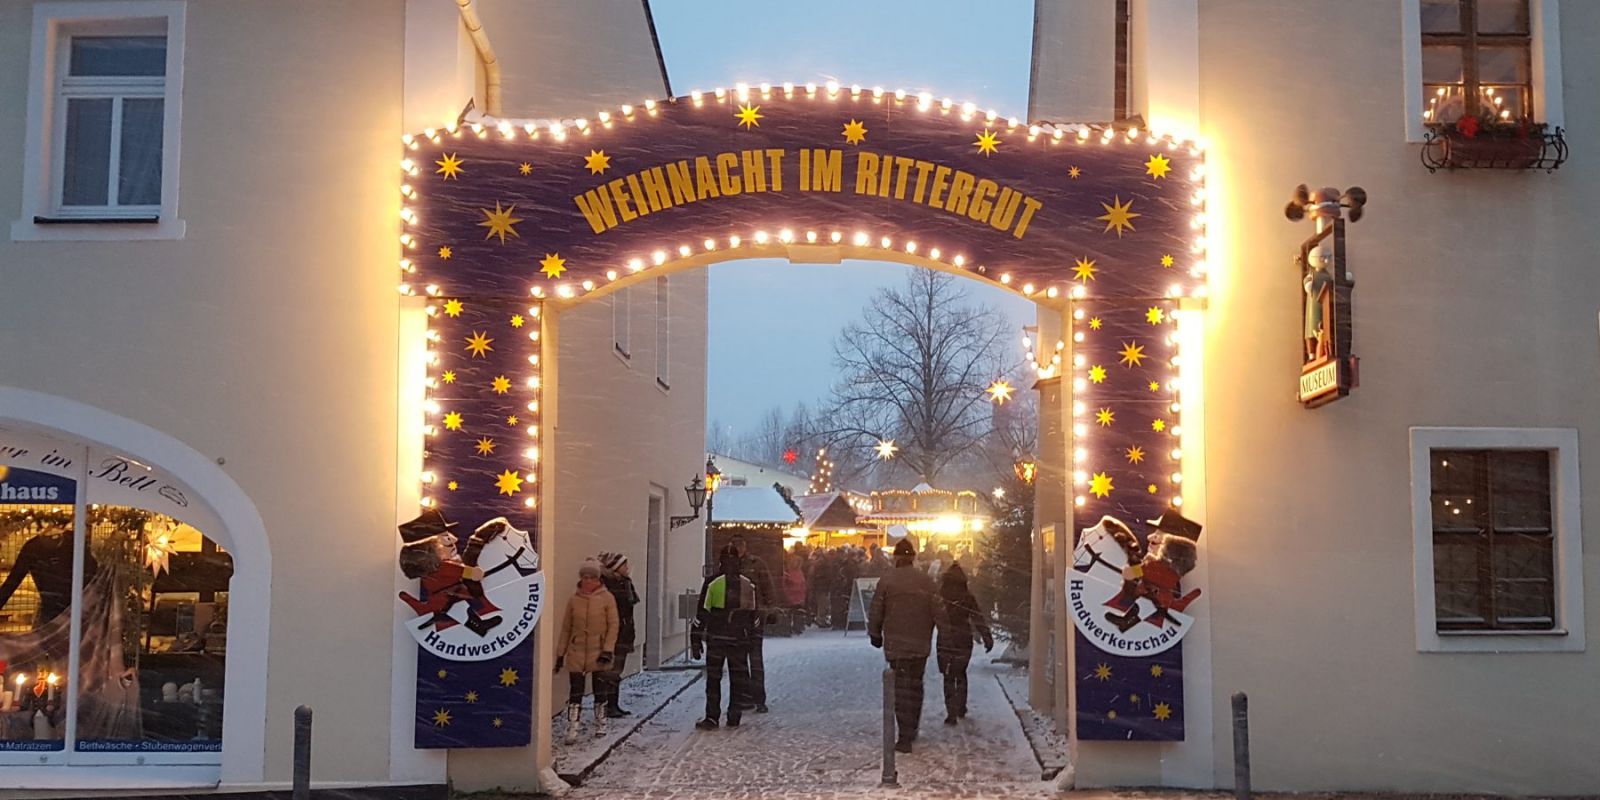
(501, 384)
(471, 697)
(1167, 260)
(1155, 386)
(1083, 270)
(1152, 488)
(987, 142)
(1097, 374)
(1158, 166)
(886, 449)
(443, 674)
(485, 446)
(597, 161)
(1100, 485)
(1158, 425)
(1135, 454)
(449, 376)
(1162, 711)
(854, 132)
(1132, 354)
(1095, 323)
(450, 166)
(511, 420)
(525, 168)
(508, 677)
(500, 222)
(1103, 672)
(508, 482)
(748, 116)
(1112, 714)
(1155, 316)
(552, 265)
(1155, 670)
(517, 320)
(478, 345)
(498, 722)
(452, 307)
(441, 718)
(1074, 172)
(445, 253)
(999, 391)
(452, 421)
(1105, 417)
(452, 486)
(1118, 216)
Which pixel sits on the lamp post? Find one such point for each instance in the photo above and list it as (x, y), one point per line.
(713, 480)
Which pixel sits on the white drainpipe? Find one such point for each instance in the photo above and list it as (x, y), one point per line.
(491, 66)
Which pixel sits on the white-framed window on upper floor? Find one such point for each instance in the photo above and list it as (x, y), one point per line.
(664, 332)
(105, 90)
(622, 323)
(1498, 540)
(1497, 61)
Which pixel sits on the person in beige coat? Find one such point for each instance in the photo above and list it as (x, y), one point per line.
(587, 644)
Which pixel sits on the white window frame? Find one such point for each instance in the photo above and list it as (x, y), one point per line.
(1545, 35)
(622, 324)
(664, 333)
(1566, 507)
(43, 218)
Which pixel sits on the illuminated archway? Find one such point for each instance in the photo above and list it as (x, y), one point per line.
(507, 222)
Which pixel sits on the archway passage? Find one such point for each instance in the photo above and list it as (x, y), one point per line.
(507, 221)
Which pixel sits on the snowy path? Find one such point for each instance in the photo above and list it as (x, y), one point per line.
(823, 737)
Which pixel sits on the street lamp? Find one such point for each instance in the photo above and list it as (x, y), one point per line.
(696, 492)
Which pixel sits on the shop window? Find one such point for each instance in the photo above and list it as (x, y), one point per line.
(152, 607)
(102, 147)
(1477, 60)
(1497, 539)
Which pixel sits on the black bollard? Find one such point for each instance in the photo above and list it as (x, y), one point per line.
(302, 753)
(890, 777)
(1241, 747)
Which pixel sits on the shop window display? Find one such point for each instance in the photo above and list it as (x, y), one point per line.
(153, 609)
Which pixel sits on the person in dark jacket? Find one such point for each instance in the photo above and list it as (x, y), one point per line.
(722, 633)
(821, 588)
(844, 583)
(614, 572)
(905, 609)
(962, 621)
(766, 600)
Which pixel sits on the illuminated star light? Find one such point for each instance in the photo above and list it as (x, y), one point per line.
(452, 308)
(1083, 270)
(748, 114)
(1135, 454)
(525, 168)
(508, 482)
(1158, 166)
(501, 384)
(1105, 417)
(854, 132)
(1155, 316)
(999, 392)
(597, 161)
(1074, 172)
(478, 345)
(1118, 216)
(1132, 354)
(158, 553)
(485, 446)
(517, 320)
(886, 449)
(1095, 323)
(508, 677)
(987, 142)
(552, 265)
(441, 718)
(452, 421)
(1100, 485)
(449, 166)
(1097, 374)
(500, 222)
(445, 253)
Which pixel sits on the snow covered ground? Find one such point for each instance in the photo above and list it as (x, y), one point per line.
(823, 737)
(643, 694)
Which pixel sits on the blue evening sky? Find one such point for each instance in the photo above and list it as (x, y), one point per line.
(773, 323)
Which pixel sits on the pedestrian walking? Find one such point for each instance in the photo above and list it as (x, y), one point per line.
(960, 623)
(821, 589)
(587, 645)
(794, 591)
(756, 571)
(616, 575)
(905, 609)
(721, 634)
(844, 582)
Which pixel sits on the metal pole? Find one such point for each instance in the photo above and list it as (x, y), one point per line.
(1241, 747)
(890, 777)
(302, 753)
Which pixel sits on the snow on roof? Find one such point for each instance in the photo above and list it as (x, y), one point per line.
(922, 488)
(828, 510)
(754, 504)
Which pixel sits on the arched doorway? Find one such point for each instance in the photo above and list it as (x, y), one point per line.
(507, 223)
(162, 670)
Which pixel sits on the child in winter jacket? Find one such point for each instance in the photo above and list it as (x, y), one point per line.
(587, 644)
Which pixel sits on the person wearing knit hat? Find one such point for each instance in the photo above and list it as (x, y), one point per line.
(614, 573)
(587, 645)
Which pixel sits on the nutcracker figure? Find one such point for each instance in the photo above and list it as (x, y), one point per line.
(1158, 577)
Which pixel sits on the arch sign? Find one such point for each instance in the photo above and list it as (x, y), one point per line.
(508, 220)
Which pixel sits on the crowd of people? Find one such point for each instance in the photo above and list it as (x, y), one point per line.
(818, 581)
